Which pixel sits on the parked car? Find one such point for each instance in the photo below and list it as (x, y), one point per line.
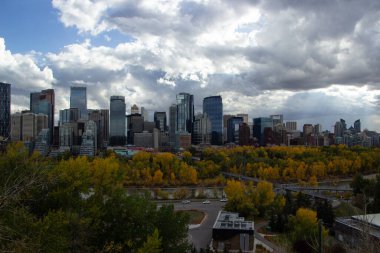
(223, 200)
(206, 202)
(186, 201)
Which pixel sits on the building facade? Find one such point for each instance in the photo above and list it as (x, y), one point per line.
(185, 112)
(172, 124)
(78, 99)
(233, 125)
(259, 126)
(44, 102)
(213, 107)
(202, 129)
(101, 119)
(117, 120)
(160, 121)
(5, 110)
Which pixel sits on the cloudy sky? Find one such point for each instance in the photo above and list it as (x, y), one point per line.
(313, 61)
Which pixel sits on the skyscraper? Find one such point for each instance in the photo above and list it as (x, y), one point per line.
(213, 107)
(259, 126)
(185, 112)
(357, 126)
(78, 99)
(233, 125)
(202, 129)
(160, 120)
(44, 102)
(101, 119)
(172, 124)
(117, 120)
(5, 110)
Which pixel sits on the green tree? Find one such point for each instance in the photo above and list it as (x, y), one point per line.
(152, 244)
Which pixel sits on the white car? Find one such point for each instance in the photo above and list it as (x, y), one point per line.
(223, 200)
(185, 201)
(206, 202)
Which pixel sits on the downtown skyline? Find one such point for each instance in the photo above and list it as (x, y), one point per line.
(313, 62)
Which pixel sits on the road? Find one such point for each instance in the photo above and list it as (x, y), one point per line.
(201, 236)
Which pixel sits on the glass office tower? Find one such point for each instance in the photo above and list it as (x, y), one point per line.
(160, 121)
(5, 110)
(78, 99)
(185, 112)
(213, 107)
(259, 125)
(117, 120)
(44, 102)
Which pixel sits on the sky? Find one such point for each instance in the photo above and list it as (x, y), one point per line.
(313, 61)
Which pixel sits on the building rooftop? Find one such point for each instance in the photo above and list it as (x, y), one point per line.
(228, 220)
(369, 222)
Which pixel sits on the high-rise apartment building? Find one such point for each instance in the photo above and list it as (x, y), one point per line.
(160, 121)
(78, 99)
(185, 112)
(5, 110)
(213, 108)
(135, 124)
(117, 120)
(89, 139)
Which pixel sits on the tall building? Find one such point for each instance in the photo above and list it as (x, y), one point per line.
(307, 129)
(277, 119)
(244, 135)
(233, 125)
(101, 119)
(145, 113)
(78, 99)
(244, 116)
(135, 109)
(213, 107)
(5, 110)
(135, 123)
(32, 124)
(44, 102)
(172, 124)
(357, 126)
(88, 145)
(117, 120)
(202, 129)
(338, 129)
(291, 126)
(185, 112)
(68, 115)
(160, 120)
(259, 127)
(16, 126)
(225, 120)
(42, 142)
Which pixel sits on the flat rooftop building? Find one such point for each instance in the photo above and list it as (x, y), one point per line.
(233, 233)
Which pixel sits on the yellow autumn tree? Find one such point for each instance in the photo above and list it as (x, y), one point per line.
(157, 177)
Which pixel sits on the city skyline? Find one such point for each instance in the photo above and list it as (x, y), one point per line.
(325, 70)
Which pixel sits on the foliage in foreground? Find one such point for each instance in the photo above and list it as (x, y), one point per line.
(77, 205)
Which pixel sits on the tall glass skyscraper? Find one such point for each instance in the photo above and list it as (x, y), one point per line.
(5, 110)
(44, 102)
(213, 107)
(160, 121)
(259, 125)
(172, 123)
(78, 99)
(117, 120)
(185, 112)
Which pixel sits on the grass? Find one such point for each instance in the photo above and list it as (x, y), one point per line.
(196, 216)
(347, 209)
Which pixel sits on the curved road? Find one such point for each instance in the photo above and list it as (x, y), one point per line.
(201, 236)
